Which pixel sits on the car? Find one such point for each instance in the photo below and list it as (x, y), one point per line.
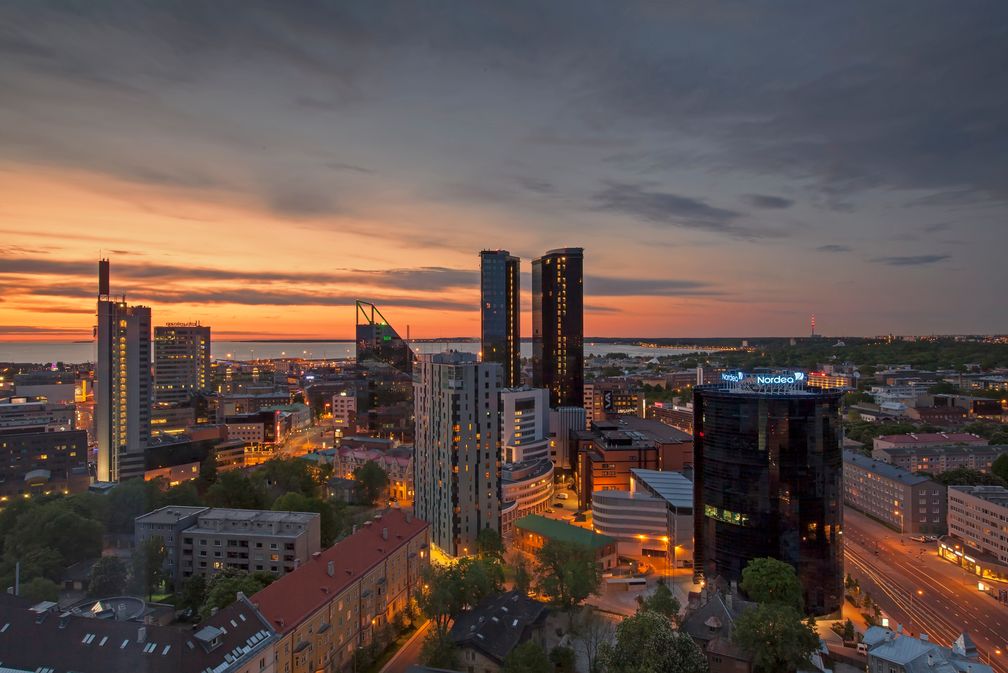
(558, 505)
(919, 538)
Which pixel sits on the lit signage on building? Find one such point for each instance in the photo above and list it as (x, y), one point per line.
(764, 382)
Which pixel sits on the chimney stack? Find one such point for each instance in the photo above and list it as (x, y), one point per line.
(142, 634)
(384, 533)
(331, 568)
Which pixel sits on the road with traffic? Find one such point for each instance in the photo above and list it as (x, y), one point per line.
(916, 588)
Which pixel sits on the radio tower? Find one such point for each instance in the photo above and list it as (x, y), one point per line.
(813, 324)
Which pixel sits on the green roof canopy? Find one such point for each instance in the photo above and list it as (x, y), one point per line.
(563, 532)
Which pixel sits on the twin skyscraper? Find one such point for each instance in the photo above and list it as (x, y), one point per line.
(557, 320)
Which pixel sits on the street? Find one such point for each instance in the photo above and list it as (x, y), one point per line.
(921, 591)
(409, 653)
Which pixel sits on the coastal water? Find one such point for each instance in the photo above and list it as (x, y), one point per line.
(74, 352)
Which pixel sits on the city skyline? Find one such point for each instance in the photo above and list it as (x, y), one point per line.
(235, 165)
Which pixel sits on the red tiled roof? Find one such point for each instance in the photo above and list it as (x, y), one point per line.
(951, 437)
(290, 599)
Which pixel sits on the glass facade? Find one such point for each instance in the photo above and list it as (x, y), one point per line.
(500, 311)
(769, 482)
(378, 341)
(558, 326)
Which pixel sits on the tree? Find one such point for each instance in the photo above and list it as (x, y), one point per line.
(662, 601)
(185, 494)
(193, 592)
(963, 476)
(128, 500)
(148, 565)
(282, 475)
(647, 643)
(40, 589)
(224, 587)
(529, 657)
(591, 631)
(568, 573)
(848, 634)
(297, 502)
(238, 491)
(438, 651)
(522, 576)
(1000, 467)
(108, 577)
(371, 480)
(564, 659)
(442, 596)
(208, 471)
(489, 544)
(767, 580)
(776, 637)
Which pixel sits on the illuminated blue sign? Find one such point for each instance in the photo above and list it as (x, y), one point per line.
(764, 382)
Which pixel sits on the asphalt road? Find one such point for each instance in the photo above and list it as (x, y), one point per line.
(409, 653)
(921, 591)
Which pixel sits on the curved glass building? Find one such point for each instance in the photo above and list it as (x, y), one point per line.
(769, 481)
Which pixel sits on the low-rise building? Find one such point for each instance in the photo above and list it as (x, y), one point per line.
(938, 459)
(611, 449)
(237, 639)
(710, 622)
(35, 413)
(676, 490)
(904, 501)
(978, 518)
(344, 410)
(638, 521)
(892, 652)
(489, 632)
(927, 439)
(533, 531)
(346, 597)
(37, 463)
(204, 540)
(942, 416)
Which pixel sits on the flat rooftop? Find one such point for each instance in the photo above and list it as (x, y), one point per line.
(884, 470)
(562, 531)
(996, 495)
(672, 487)
(170, 514)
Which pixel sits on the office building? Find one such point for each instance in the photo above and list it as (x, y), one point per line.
(58, 387)
(205, 540)
(42, 637)
(181, 361)
(122, 389)
(564, 424)
(606, 454)
(344, 410)
(978, 520)
(378, 341)
(525, 415)
(638, 522)
(676, 490)
(768, 481)
(558, 326)
(39, 463)
(37, 414)
(938, 459)
(457, 448)
(907, 502)
(500, 313)
(344, 598)
(526, 488)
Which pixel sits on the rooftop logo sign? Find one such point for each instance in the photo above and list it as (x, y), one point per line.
(783, 382)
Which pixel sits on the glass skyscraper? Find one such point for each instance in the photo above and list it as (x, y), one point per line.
(500, 311)
(558, 326)
(769, 482)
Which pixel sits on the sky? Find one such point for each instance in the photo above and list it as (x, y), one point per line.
(730, 168)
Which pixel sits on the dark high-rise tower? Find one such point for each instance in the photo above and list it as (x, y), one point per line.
(500, 311)
(558, 326)
(768, 466)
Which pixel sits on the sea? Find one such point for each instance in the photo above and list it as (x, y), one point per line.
(78, 352)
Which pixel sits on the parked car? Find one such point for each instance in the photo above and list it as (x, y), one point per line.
(919, 538)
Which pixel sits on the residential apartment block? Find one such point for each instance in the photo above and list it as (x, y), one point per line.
(347, 596)
(927, 439)
(904, 501)
(938, 459)
(978, 517)
(204, 540)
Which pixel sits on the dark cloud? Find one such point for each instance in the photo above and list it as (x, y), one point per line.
(536, 185)
(834, 247)
(911, 260)
(668, 209)
(607, 286)
(768, 202)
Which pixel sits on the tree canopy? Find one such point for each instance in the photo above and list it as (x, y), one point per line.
(662, 601)
(224, 586)
(568, 573)
(108, 577)
(648, 643)
(767, 580)
(528, 657)
(371, 482)
(776, 637)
